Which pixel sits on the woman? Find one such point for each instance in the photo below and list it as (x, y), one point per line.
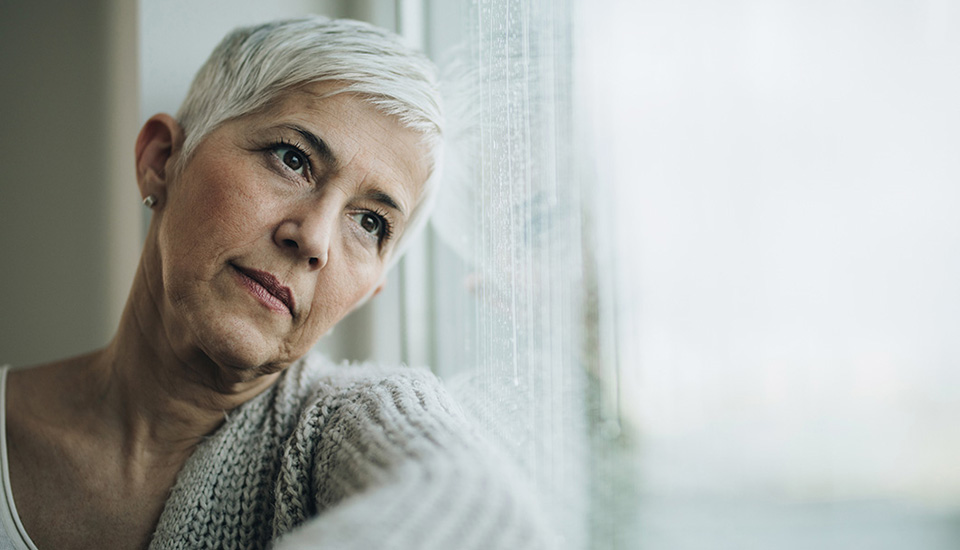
(300, 161)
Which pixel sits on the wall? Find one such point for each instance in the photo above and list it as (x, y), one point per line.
(67, 84)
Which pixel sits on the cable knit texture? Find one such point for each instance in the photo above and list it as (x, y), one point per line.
(349, 457)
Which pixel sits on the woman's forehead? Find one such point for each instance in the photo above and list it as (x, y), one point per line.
(327, 97)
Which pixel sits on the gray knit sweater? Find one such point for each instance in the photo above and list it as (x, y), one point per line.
(349, 457)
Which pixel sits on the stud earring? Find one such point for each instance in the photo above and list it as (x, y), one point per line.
(150, 200)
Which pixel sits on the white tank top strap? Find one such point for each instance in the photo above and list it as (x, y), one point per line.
(12, 534)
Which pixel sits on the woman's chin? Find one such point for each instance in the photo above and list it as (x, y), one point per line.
(244, 347)
(223, 325)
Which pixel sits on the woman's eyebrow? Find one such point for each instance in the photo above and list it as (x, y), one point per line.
(316, 144)
(386, 200)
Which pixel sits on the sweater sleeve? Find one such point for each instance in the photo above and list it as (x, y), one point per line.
(398, 467)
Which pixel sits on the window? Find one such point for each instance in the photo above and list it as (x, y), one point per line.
(695, 264)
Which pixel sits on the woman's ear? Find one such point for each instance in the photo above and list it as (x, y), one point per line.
(160, 139)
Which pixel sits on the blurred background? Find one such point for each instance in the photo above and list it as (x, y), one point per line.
(694, 263)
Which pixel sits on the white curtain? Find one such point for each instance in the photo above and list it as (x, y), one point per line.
(696, 262)
(507, 239)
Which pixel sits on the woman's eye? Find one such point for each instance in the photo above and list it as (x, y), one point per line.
(291, 157)
(369, 223)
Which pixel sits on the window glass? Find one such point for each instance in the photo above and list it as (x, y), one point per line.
(698, 259)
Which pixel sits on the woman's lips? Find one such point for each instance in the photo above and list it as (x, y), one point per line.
(266, 288)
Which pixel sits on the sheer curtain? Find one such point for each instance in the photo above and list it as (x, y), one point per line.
(695, 264)
(506, 238)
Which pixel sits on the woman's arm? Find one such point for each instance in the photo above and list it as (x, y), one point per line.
(398, 466)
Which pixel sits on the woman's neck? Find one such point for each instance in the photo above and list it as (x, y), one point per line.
(99, 439)
(160, 399)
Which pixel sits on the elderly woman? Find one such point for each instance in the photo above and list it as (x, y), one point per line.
(302, 158)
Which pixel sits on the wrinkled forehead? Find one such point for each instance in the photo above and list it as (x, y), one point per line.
(314, 93)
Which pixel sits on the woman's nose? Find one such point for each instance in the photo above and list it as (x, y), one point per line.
(308, 238)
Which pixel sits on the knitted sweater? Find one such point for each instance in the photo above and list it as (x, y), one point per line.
(348, 457)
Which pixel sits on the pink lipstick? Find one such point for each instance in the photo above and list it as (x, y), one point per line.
(266, 288)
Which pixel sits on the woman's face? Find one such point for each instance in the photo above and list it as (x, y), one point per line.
(281, 223)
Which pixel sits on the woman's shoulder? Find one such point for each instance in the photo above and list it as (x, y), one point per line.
(375, 388)
(372, 410)
(393, 458)
(348, 376)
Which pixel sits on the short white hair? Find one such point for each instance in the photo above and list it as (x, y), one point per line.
(253, 66)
